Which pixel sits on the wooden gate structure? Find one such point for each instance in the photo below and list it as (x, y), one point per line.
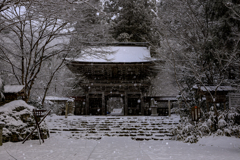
(121, 70)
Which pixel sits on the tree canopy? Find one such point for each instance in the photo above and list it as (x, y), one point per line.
(133, 20)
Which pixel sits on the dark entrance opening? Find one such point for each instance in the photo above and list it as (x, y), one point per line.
(80, 103)
(79, 108)
(134, 106)
(95, 106)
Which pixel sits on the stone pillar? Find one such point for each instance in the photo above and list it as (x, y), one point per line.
(153, 108)
(71, 107)
(2, 124)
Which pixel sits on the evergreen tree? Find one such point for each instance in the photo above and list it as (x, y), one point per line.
(133, 20)
(90, 26)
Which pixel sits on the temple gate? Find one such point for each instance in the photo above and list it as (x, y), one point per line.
(121, 77)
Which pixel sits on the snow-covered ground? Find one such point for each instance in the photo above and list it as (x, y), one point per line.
(61, 147)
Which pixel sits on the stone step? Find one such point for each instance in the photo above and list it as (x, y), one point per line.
(138, 128)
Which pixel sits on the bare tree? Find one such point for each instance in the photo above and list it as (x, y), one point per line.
(39, 32)
(31, 41)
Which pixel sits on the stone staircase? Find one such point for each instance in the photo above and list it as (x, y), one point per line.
(95, 127)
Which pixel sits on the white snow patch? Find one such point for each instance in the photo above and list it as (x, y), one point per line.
(222, 123)
(7, 108)
(116, 148)
(125, 54)
(220, 141)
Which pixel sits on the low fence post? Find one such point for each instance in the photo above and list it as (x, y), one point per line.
(2, 124)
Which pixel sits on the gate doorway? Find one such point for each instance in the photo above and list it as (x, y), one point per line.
(95, 106)
(115, 106)
(134, 106)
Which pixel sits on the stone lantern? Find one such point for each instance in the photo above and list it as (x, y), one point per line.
(153, 108)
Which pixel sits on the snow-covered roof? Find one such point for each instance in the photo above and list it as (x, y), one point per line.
(213, 88)
(164, 98)
(116, 54)
(168, 98)
(13, 88)
(53, 98)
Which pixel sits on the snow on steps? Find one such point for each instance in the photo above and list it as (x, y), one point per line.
(94, 127)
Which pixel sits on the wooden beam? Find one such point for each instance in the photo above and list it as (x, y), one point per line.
(103, 104)
(87, 104)
(142, 105)
(169, 108)
(126, 104)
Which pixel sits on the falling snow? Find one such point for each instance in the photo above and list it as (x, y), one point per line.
(63, 147)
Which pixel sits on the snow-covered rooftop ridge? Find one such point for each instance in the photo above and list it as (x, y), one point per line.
(116, 54)
(213, 88)
(9, 107)
(13, 88)
(54, 98)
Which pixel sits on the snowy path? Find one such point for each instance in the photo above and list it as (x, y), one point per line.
(118, 148)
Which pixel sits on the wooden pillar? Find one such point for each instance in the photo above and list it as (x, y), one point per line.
(103, 104)
(208, 107)
(66, 110)
(126, 105)
(87, 104)
(169, 108)
(142, 105)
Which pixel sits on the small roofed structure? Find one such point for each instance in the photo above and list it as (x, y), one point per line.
(57, 99)
(219, 93)
(13, 92)
(215, 88)
(65, 104)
